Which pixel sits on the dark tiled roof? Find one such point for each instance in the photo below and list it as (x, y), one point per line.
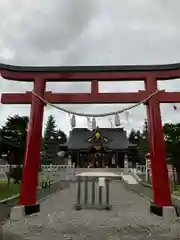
(116, 137)
(110, 68)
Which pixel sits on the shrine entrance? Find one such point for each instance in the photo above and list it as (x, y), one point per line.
(97, 151)
(97, 157)
(151, 97)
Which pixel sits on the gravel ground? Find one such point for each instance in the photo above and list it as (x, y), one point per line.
(5, 208)
(147, 191)
(128, 219)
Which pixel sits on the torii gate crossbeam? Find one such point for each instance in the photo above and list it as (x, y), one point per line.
(40, 75)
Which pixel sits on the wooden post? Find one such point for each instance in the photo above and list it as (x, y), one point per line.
(160, 179)
(32, 155)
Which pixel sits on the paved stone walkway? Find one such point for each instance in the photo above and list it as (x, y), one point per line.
(129, 219)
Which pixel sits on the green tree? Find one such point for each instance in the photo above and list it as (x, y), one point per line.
(140, 138)
(172, 141)
(51, 143)
(13, 142)
(48, 142)
(143, 143)
(60, 138)
(132, 136)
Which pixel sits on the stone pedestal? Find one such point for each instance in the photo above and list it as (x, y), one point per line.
(167, 212)
(20, 211)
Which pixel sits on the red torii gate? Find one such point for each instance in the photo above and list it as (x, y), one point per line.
(40, 75)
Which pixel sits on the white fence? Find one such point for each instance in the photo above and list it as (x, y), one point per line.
(143, 170)
(57, 172)
(48, 172)
(140, 169)
(68, 172)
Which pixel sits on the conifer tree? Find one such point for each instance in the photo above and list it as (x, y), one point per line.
(49, 142)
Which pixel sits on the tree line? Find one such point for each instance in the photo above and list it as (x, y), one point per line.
(172, 144)
(13, 136)
(14, 132)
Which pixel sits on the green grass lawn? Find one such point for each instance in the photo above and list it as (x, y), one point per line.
(177, 191)
(6, 192)
(13, 189)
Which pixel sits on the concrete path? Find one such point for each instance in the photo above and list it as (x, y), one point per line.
(129, 219)
(5, 208)
(129, 179)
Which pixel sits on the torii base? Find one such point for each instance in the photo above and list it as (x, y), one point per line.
(20, 211)
(169, 213)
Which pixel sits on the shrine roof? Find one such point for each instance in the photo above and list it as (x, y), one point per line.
(90, 69)
(116, 138)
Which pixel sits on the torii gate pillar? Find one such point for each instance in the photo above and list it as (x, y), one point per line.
(32, 155)
(160, 179)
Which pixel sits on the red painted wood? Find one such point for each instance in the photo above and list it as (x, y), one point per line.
(88, 76)
(71, 98)
(95, 97)
(169, 97)
(94, 88)
(103, 76)
(32, 155)
(16, 98)
(160, 180)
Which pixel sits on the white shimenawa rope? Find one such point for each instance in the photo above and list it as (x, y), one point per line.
(95, 115)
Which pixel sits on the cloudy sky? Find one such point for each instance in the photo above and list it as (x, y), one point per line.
(89, 32)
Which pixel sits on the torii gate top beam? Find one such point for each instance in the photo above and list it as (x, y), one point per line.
(87, 73)
(146, 73)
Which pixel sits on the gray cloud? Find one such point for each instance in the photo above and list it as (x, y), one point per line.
(90, 32)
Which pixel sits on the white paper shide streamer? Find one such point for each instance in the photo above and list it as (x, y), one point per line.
(117, 120)
(93, 123)
(88, 116)
(73, 121)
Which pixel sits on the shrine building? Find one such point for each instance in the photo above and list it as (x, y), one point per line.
(102, 147)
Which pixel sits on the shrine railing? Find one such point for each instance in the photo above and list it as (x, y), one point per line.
(145, 173)
(140, 169)
(46, 173)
